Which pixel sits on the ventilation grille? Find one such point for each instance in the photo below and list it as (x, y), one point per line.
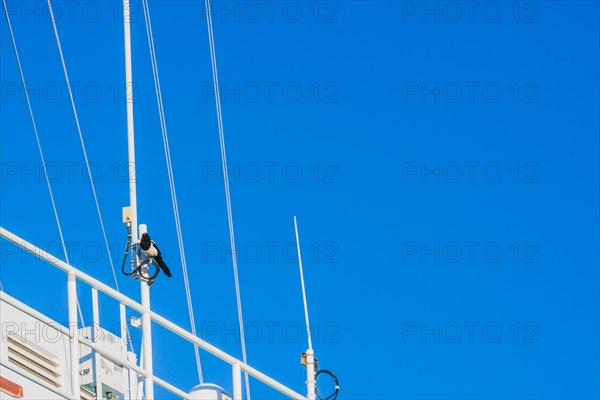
(35, 360)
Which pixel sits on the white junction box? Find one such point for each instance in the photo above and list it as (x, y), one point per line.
(100, 375)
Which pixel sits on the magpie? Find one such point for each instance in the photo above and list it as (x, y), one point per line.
(151, 250)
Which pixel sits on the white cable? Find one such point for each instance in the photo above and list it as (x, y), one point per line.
(167, 149)
(213, 58)
(87, 163)
(39, 145)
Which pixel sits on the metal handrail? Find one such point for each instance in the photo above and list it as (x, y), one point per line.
(71, 270)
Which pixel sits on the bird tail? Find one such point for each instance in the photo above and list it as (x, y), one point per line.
(163, 266)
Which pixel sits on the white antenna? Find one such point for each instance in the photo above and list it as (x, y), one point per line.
(309, 357)
(302, 282)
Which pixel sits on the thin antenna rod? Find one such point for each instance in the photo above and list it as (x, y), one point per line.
(130, 125)
(310, 364)
(302, 281)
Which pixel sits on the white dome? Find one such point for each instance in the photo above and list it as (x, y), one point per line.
(209, 391)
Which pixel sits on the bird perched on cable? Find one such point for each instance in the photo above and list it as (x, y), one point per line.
(151, 250)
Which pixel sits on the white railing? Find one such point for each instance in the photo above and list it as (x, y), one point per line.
(74, 274)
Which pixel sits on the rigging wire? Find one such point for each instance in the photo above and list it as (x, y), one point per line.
(39, 145)
(168, 160)
(87, 163)
(213, 58)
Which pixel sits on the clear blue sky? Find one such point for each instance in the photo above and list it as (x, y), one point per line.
(448, 196)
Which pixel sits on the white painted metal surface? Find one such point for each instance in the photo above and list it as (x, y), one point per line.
(94, 337)
(51, 341)
(311, 383)
(146, 330)
(237, 382)
(208, 391)
(73, 335)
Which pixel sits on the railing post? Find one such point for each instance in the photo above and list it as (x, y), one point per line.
(237, 381)
(123, 322)
(73, 334)
(94, 337)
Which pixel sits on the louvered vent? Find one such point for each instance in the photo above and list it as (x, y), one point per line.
(87, 394)
(35, 360)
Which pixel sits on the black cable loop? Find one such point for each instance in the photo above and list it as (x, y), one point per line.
(144, 273)
(334, 395)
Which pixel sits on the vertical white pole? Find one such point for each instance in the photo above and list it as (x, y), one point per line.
(310, 357)
(147, 334)
(94, 334)
(237, 381)
(74, 334)
(144, 288)
(95, 312)
(123, 324)
(311, 384)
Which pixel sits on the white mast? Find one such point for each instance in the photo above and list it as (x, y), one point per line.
(310, 355)
(145, 289)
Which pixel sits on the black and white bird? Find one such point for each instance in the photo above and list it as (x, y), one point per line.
(151, 250)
